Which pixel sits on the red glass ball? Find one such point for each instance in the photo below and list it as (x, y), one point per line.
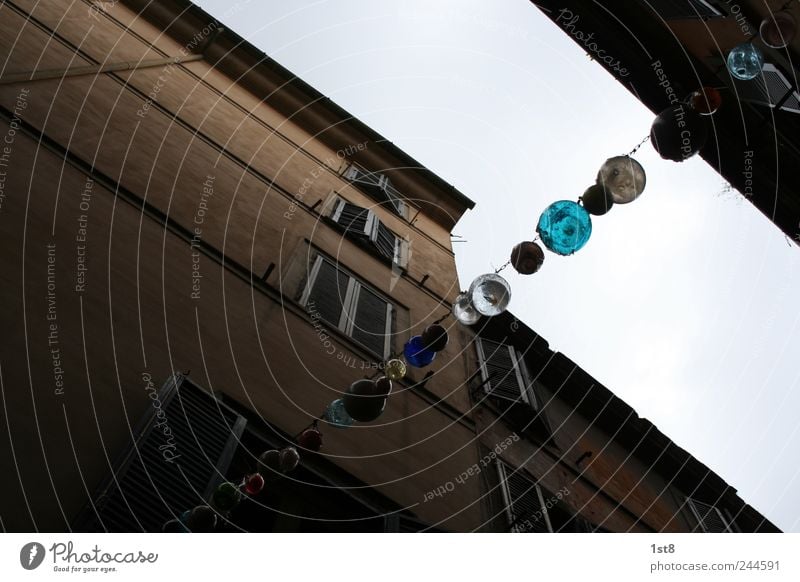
(253, 484)
(310, 439)
(706, 101)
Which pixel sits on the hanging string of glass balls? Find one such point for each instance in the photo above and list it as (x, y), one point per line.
(564, 227)
(272, 465)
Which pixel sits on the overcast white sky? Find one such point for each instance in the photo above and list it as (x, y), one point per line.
(683, 303)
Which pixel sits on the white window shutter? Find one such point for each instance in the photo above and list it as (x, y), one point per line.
(525, 507)
(500, 368)
(709, 517)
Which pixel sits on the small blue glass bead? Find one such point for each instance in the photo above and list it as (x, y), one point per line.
(564, 227)
(336, 415)
(415, 353)
(745, 61)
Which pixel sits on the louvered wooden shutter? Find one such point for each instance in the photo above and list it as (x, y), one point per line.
(710, 518)
(392, 195)
(524, 505)
(386, 242)
(369, 326)
(328, 293)
(500, 367)
(145, 490)
(354, 219)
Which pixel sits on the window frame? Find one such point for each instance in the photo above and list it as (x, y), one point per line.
(693, 504)
(373, 223)
(502, 472)
(346, 323)
(524, 382)
(358, 175)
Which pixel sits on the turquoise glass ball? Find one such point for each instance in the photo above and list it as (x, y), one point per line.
(336, 415)
(564, 227)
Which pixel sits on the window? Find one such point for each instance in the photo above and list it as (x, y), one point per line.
(504, 372)
(379, 186)
(363, 224)
(350, 306)
(525, 505)
(181, 449)
(532, 508)
(771, 88)
(710, 519)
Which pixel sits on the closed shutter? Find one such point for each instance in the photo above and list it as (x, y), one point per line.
(709, 517)
(328, 292)
(369, 324)
(524, 504)
(145, 490)
(499, 365)
(386, 242)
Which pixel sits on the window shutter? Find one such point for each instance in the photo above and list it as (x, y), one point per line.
(524, 504)
(710, 518)
(353, 218)
(328, 292)
(379, 185)
(386, 242)
(145, 490)
(369, 325)
(771, 88)
(357, 175)
(392, 195)
(500, 367)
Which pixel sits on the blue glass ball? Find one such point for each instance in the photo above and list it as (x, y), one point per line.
(416, 354)
(564, 227)
(336, 415)
(745, 61)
